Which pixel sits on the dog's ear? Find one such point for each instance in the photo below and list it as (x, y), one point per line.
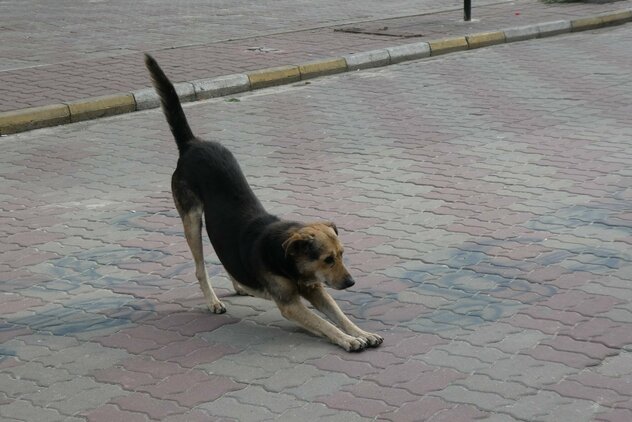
(298, 243)
(332, 225)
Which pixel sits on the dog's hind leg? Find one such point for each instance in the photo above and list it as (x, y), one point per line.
(190, 209)
(318, 296)
(192, 221)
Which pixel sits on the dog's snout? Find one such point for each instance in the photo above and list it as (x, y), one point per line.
(349, 281)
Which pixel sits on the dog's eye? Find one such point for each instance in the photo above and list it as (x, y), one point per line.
(329, 260)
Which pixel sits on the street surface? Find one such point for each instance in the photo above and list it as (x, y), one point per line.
(484, 199)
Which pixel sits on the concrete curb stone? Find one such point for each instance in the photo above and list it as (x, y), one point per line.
(521, 33)
(448, 45)
(33, 118)
(407, 52)
(485, 39)
(274, 76)
(221, 86)
(147, 98)
(549, 29)
(322, 67)
(107, 105)
(52, 115)
(367, 59)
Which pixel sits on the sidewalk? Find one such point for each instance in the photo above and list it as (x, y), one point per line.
(80, 79)
(483, 199)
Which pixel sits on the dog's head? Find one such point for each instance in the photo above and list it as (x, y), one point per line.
(317, 254)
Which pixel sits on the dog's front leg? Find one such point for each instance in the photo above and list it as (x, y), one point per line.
(318, 296)
(296, 311)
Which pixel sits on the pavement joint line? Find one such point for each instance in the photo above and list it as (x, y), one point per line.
(22, 120)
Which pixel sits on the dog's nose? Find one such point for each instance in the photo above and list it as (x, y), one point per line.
(348, 282)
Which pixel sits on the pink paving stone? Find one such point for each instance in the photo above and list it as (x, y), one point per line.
(391, 313)
(432, 381)
(346, 401)
(205, 324)
(9, 362)
(207, 354)
(124, 341)
(459, 413)
(595, 350)
(175, 320)
(420, 410)
(153, 334)
(397, 374)
(157, 369)
(194, 415)
(376, 358)
(32, 238)
(525, 321)
(603, 396)
(548, 354)
(619, 384)
(542, 312)
(337, 364)
(19, 304)
(596, 305)
(566, 299)
(612, 334)
(129, 380)
(144, 403)
(419, 344)
(174, 384)
(13, 332)
(546, 274)
(615, 415)
(110, 412)
(617, 336)
(191, 352)
(207, 391)
(393, 396)
(576, 279)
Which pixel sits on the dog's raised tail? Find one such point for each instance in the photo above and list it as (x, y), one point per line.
(171, 106)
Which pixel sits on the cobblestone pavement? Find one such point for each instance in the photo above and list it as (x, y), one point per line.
(484, 199)
(59, 52)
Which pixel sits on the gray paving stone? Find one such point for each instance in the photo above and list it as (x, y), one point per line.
(277, 402)
(23, 410)
(321, 412)
(319, 385)
(483, 400)
(544, 404)
(231, 408)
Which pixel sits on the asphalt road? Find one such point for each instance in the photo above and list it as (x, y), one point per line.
(484, 201)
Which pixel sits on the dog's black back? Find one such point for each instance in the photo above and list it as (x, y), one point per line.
(208, 174)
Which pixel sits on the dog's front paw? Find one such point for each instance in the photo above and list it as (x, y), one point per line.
(373, 340)
(217, 307)
(354, 344)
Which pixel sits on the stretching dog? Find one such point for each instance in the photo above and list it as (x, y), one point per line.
(265, 257)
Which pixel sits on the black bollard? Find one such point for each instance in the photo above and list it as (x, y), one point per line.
(467, 10)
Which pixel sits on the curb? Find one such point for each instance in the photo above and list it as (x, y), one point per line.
(16, 121)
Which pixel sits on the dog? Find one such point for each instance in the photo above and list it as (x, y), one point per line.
(265, 256)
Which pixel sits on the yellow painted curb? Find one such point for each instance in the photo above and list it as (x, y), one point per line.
(484, 39)
(33, 118)
(322, 67)
(584, 24)
(107, 105)
(617, 17)
(274, 76)
(447, 45)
